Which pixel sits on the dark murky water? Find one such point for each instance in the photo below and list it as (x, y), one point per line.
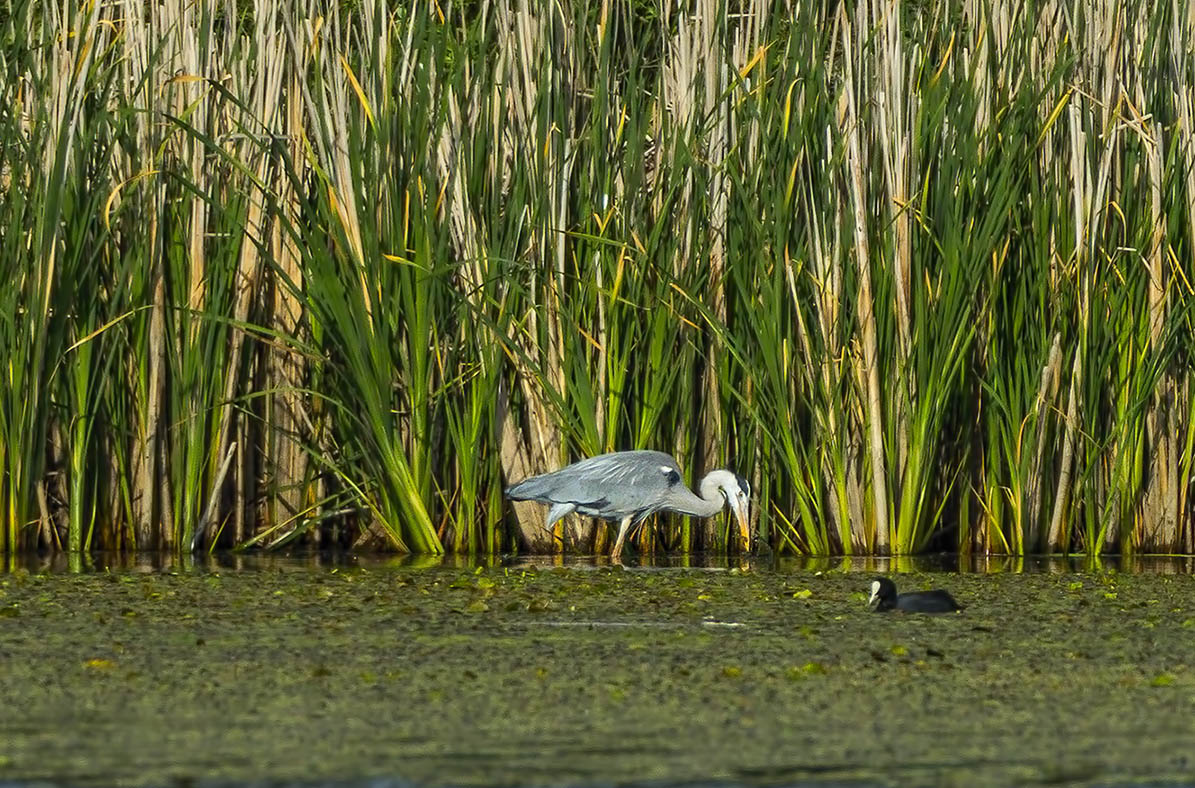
(364, 671)
(983, 564)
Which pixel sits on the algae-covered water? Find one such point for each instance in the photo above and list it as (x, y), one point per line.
(291, 673)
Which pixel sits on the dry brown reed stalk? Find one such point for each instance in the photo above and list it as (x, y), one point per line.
(285, 418)
(865, 306)
(1182, 39)
(148, 70)
(1044, 408)
(894, 99)
(261, 80)
(1160, 510)
(525, 35)
(681, 93)
(707, 41)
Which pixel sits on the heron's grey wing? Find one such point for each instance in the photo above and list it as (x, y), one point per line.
(628, 482)
(559, 511)
(609, 485)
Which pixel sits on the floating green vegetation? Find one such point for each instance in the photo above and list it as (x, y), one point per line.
(335, 273)
(449, 676)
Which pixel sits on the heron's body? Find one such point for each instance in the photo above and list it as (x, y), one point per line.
(629, 486)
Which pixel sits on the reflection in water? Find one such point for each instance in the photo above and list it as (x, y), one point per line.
(147, 562)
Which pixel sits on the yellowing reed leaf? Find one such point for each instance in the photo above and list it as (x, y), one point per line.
(115, 193)
(104, 328)
(440, 198)
(1054, 114)
(788, 109)
(1176, 266)
(619, 270)
(592, 341)
(622, 123)
(945, 58)
(394, 258)
(755, 60)
(348, 70)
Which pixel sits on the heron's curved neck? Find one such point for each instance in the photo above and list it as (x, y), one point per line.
(709, 499)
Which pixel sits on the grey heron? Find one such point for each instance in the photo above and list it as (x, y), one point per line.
(884, 597)
(631, 485)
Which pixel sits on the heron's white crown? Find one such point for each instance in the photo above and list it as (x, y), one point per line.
(724, 481)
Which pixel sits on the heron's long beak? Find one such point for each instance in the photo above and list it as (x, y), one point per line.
(740, 515)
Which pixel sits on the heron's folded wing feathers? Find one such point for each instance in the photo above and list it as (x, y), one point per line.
(616, 484)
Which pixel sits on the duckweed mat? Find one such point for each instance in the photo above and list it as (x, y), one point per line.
(592, 676)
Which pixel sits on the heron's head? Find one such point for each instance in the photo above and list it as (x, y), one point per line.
(737, 492)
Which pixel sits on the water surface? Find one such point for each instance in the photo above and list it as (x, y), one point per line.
(352, 671)
(256, 560)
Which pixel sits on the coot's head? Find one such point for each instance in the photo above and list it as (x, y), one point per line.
(883, 594)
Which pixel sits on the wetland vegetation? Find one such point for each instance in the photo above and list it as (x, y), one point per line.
(332, 273)
(534, 675)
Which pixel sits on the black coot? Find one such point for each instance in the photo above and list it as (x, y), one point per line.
(884, 597)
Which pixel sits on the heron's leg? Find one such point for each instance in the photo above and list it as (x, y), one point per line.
(622, 535)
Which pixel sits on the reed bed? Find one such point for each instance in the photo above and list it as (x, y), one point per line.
(335, 273)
